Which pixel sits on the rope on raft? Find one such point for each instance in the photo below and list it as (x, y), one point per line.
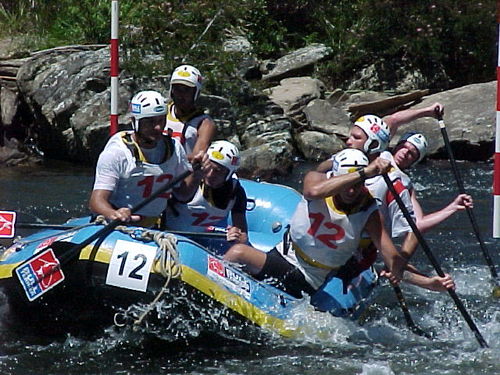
(166, 260)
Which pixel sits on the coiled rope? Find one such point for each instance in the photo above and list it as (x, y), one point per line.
(166, 261)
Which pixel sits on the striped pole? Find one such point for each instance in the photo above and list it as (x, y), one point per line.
(496, 171)
(115, 69)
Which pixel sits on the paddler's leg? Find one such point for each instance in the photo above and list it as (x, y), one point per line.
(251, 258)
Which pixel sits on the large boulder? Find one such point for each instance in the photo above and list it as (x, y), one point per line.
(469, 118)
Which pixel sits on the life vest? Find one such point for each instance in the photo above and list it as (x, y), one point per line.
(325, 235)
(144, 179)
(394, 220)
(201, 212)
(184, 129)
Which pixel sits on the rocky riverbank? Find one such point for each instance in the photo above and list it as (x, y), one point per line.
(55, 103)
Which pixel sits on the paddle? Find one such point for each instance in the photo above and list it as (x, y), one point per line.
(66, 226)
(43, 271)
(470, 213)
(406, 312)
(433, 260)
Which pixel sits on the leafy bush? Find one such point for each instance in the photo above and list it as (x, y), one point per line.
(457, 36)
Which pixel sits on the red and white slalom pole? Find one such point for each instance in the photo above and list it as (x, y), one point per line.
(115, 68)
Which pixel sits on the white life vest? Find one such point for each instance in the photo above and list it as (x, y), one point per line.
(324, 237)
(394, 220)
(184, 130)
(140, 178)
(199, 213)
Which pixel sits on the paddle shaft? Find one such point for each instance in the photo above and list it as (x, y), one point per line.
(75, 250)
(66, 226)
(406, 312)
(461, 189)
(433, 260)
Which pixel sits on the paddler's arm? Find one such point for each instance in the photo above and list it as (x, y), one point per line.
(325, 166)
(185, 191)
(318, 186)
(392, 259)
(435, 283)
(397, 119)
(428, 221)
(99, 204)
(206, 132)
(409, 245)
(238, 231)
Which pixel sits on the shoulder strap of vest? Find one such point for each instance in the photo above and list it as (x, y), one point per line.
(197, 111)
(366, 201)
(133, 147)
(139, 155)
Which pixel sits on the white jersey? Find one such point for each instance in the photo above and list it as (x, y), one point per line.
(199, 213)
(184, 130)
(132, 180)
(394, 220)
(324, 237)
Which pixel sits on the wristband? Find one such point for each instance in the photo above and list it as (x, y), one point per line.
(362, 174)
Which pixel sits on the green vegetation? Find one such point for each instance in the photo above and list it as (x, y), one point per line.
(456, 37)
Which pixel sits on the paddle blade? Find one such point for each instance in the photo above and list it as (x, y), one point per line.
(496, 291)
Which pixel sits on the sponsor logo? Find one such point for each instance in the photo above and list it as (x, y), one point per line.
(159, 108)
(135, 108)
(217, 155)
(40, 274)
(229, 278)
(7, 222)
(216, 266)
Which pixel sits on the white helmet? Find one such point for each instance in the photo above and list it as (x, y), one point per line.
(189, 76)
(348, 161)
(419, 141)
(226, 154)
(376, 130)
(147, 104)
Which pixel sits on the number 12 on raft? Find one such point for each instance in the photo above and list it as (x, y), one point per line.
(129, 265)
(40, 274)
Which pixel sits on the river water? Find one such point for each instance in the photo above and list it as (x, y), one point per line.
(379, 344)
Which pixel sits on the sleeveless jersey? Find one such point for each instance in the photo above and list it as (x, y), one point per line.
(200, 213)
(186, 129)
(394, 220)
(132, 180)
(324, 237)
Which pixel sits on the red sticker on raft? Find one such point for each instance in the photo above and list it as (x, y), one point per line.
(7, 224)
(40, 274)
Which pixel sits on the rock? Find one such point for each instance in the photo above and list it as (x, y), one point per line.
(64, 96)
(267, 161)
(9, 102)
(292, 94)
(298, 61)
(327, 118)
(470, 121)
(317, 146)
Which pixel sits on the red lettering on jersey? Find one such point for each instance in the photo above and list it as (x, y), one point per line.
(204, 220)
(328, 239)
(150, 182)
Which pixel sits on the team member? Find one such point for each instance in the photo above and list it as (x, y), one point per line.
(326, 228)
(411, 149)
(186, 121)
(371, 134)
(218, 196)
(134, 164)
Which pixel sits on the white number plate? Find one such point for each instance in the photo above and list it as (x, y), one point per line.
(130, 265)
